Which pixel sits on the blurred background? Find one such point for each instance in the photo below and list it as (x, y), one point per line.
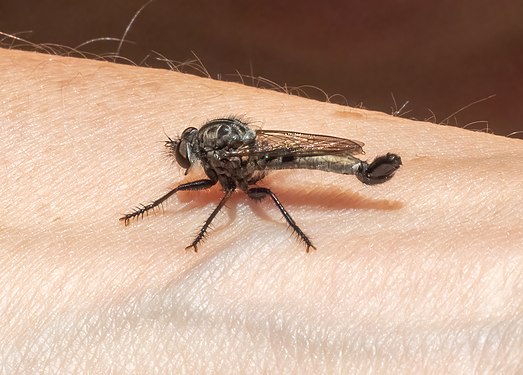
(449, 61)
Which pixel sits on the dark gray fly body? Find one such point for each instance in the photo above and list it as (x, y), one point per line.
(237, 156)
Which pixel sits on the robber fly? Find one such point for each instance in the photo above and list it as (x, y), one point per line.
(238, 156)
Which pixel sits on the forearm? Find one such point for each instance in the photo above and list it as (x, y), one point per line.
(408, 275)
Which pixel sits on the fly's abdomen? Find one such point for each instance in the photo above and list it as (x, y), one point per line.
(379, 171)
(345, 164)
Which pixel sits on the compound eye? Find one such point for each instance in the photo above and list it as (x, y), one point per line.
(181, 155)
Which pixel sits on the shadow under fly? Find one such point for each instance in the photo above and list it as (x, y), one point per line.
(237, 156)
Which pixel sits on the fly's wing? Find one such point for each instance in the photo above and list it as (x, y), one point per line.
(274, 143)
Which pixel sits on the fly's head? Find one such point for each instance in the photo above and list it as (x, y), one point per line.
(183, 148)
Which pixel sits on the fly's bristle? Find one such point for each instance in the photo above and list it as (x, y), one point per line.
(170, 146)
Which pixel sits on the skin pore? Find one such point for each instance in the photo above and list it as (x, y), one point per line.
(421, 273)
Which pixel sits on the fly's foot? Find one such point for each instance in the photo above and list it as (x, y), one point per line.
(309, 246)
(192, 246)
(302, 236)
(198, 239)
(138, 212)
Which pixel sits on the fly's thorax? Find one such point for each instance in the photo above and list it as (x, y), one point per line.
(225, 134)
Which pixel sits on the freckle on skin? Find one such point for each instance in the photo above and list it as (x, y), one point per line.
(352, 114)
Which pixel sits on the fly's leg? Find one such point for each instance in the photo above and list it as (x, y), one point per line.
(144, 209)
(258, 193)
(202, 232)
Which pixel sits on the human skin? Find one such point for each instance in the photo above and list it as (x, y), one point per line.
(423, 273)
